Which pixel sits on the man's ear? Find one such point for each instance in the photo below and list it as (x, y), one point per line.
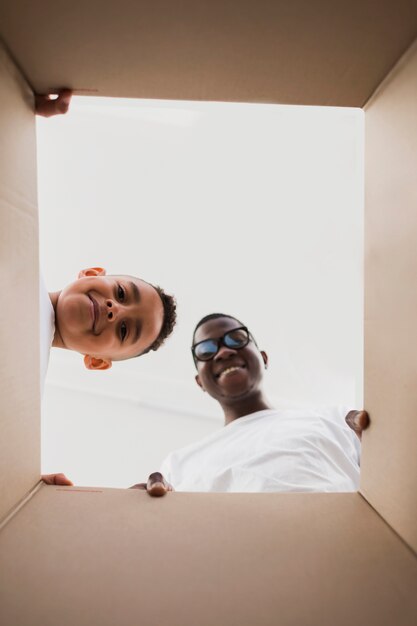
(198, 381)
(92, 271)
(92, 363)
(264, 358)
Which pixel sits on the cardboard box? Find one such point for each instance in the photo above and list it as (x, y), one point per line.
(105, 556)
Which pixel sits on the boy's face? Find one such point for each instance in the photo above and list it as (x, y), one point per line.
(108, 318)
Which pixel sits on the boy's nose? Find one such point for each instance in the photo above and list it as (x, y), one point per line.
(112, 310)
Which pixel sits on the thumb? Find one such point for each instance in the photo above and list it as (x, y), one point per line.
(157, 485)
(57, 479)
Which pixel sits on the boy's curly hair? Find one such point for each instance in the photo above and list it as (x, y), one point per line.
(169, 319)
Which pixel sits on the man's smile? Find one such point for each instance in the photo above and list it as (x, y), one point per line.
(229, 370)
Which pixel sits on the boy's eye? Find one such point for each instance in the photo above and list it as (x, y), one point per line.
(121, 293)
(123, 331)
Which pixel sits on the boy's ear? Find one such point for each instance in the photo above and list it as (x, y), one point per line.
(198, 381)
(92, 363)
(92, 271)
(265, 358)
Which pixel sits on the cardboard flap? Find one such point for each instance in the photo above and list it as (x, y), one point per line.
(389, 459)
(19, 329)
(303, 52)
(94, 556)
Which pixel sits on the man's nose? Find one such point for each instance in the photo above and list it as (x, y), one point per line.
(224, 353)
(112, 310)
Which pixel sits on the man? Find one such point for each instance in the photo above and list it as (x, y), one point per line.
(259, 448)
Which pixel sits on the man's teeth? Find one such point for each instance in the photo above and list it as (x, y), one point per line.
(230, 369)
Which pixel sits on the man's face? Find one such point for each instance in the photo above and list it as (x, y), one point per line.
(231, 374)
(109, 317)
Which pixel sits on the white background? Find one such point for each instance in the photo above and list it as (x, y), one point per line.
(252, 210)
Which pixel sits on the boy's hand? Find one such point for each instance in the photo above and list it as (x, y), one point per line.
(57, 479)
(357, 421)
(47, 106)
(156, 486)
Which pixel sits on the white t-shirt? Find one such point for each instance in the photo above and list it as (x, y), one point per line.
(271, 450)
(47, 329)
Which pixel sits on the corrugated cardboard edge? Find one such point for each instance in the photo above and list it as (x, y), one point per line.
(403, 541)
(10, 515)
(15, 63)
(388, 477)
(396, 69)
(20, 402)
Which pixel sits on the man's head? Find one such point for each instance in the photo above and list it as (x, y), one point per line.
(111, 318)
(232, 366)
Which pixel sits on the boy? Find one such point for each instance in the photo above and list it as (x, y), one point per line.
(105, 318)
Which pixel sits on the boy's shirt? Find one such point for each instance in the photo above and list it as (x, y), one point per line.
(47, 329)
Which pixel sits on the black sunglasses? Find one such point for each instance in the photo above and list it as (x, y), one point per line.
(208, 348)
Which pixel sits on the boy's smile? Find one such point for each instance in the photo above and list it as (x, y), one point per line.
(94, 312)
(108, 317)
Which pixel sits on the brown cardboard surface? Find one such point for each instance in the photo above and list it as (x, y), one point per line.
(97, 556)
(83, 557)
(389, 459)
(19, 375)
(299, 52)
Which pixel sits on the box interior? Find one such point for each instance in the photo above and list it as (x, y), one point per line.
(303, 52)
(389, 461)
(312, 558)
(110, 556)
(20, 397)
